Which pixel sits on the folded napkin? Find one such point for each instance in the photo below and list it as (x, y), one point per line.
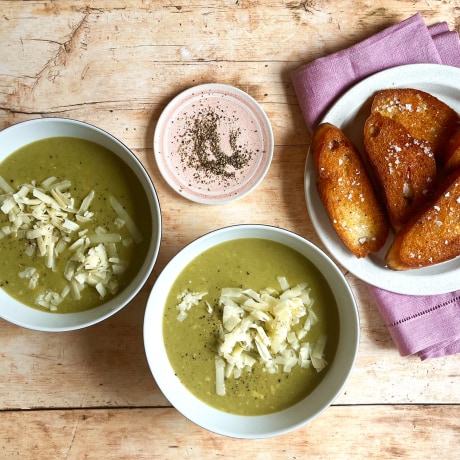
(428, 326)
(319, 83)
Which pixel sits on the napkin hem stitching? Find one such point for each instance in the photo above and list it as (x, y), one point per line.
(425, 312)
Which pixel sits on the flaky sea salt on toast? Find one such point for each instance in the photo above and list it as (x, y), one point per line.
(433, 236)
(405, 167)
(422, 114)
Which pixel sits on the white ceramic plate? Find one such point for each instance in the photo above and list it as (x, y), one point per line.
(238, 116)
(349, 113)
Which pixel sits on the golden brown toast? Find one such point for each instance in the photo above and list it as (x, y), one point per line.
(347, 193)
(404, 167)
(422, 114)
(452, 154)
(434, 235)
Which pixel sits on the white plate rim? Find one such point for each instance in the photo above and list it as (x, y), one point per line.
(251, 104)
(437, 79)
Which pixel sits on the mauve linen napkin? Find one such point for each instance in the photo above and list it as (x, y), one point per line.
(427, 326)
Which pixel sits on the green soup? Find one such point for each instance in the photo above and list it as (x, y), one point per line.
(192, 343)
(89, 167)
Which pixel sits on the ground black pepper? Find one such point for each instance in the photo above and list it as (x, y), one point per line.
(214, 157)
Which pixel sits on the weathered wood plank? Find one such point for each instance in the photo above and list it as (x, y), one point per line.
(116, 64)
(410, 432)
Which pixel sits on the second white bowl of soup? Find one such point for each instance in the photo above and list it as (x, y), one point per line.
(251, 331)
(80, 224)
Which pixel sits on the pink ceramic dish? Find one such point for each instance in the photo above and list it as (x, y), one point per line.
(213, 143)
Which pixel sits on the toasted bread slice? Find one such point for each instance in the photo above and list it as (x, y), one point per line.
(347, 193)
(434, 235)
(452, 154)
(422, 114)
(404, 167)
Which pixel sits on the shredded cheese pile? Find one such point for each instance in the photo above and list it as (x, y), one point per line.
(188, 299)
(47, 216)
(267, 327)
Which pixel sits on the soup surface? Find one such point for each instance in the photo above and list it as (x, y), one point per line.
(193, 339)
(112, 252)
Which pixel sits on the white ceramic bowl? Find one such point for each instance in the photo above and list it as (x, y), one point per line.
(251, 427)
(21, 134)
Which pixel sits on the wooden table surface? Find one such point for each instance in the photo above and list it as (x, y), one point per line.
(116, 64)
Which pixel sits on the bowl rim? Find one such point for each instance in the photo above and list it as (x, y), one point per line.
(56, 322)
(240, 426)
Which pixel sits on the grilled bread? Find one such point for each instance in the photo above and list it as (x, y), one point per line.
(347, 193)
(422, 114)
(452, 154)
(434, 235)
(404, 167)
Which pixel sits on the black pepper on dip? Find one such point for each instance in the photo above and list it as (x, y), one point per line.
(212, 154)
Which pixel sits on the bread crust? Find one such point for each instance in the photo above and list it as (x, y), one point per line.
(347, 193)
(404, 167)
(422, 114)
(432, 236)
(452, 154)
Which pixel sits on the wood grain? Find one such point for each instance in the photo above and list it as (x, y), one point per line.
(411, 432)
(116, 64)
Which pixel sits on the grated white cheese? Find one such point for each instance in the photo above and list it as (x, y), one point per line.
(46, 216)
(220, 376)
(270, 328)
(5, 186)
(267, 327)
(187, 300)
(126, 218)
